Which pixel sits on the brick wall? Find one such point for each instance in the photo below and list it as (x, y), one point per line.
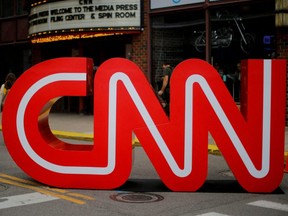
(167, 47)
(139, 54)
(282, 53)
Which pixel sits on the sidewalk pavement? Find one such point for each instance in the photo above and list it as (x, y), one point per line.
(80, 127)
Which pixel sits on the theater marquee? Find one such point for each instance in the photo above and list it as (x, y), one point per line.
(84, 16)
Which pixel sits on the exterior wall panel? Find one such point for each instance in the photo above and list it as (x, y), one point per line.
(8, 31)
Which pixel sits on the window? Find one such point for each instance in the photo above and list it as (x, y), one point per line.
(10, 8)
(6, 8)
(21, 7)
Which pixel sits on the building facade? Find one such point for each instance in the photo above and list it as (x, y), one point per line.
(222, 32)
(15, 49)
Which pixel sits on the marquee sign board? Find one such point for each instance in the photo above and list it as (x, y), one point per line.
(252, 145)
(79, 15)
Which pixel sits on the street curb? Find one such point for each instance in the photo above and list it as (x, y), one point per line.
(212, 148)
(73, 135)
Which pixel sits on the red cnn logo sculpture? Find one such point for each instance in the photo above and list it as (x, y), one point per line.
(252, 143)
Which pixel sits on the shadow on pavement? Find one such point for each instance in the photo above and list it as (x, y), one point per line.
(210, 186)
(144, 185)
